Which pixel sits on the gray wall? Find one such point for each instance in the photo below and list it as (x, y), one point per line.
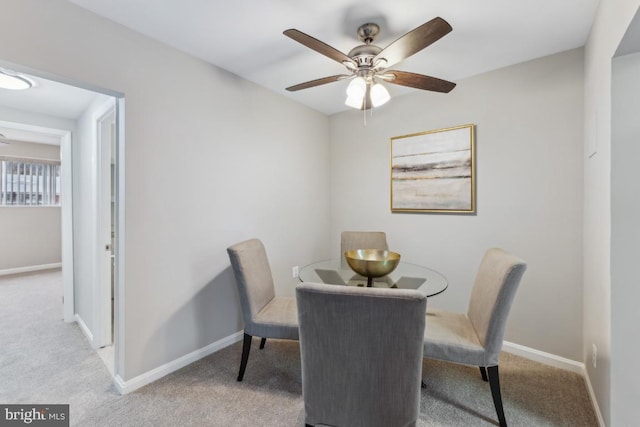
(625, 238)
(210, 160)
(528, 120)
(30, 149)
(613, 18)
(32, 233)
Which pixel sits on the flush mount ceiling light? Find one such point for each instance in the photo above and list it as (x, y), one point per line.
(368, 64)
(14, 81)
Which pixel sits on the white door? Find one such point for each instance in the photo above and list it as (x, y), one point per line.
(106, 231)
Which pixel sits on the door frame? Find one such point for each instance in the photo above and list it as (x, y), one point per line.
(66, 184)
(119, 279)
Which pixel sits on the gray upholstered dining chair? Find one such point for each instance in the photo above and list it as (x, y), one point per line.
(350, 240)
(264, 314)
(361, 352)
(475, 338)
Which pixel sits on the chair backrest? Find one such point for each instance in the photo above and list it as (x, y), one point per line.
(361, 351)
(253, 276)
(493, 291)
(350, 240)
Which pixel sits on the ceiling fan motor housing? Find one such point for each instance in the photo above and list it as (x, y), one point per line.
(364, 54)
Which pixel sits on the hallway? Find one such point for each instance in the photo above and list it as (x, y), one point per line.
(42, 358)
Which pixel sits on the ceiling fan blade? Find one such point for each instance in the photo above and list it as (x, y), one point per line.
(418, 81)
(414, 41)
(318, 46)
(4, 140)
(318, 82)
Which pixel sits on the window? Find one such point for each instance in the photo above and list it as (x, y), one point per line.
(28, 182)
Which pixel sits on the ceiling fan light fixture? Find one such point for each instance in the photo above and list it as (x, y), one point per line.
(356, 92)
(357, 88)
(354, 102)
(13, 81)
(379, 95)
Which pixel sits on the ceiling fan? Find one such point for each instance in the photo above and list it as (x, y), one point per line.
(368, 64)
(4, 140)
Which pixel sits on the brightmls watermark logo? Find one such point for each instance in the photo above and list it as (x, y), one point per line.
(34, 415)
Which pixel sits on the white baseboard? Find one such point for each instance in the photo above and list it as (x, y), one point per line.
(542, 357)
(29, 269)
(85, 330)
(592, 395)
(135, 383)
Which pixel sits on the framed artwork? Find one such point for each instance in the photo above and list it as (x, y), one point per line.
(434, 171)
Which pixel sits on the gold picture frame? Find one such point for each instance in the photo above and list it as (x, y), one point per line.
(434, 171)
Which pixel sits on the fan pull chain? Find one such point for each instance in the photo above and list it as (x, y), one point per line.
(364, 115)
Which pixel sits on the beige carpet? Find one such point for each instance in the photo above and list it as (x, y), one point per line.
(43, 360)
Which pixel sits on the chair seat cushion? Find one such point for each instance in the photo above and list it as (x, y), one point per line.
(450, 336)
(278, 319)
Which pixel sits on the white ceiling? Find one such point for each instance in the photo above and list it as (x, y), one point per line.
(45, 97)
(245, 36)
(48, 97)
(10, 132)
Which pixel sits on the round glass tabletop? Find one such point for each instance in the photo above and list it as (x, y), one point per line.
(405, 276)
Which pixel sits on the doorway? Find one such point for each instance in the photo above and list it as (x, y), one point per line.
(55, 146)
(95, 308)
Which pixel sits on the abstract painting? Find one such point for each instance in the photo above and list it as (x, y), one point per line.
(434, 171)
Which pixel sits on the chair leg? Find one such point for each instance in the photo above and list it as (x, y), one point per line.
(246, 346)
(494, 383)
(262, 343)
(483, 372)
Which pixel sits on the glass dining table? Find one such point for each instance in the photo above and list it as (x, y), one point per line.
(405, 276)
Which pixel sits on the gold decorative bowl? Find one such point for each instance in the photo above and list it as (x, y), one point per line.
(372, 262)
